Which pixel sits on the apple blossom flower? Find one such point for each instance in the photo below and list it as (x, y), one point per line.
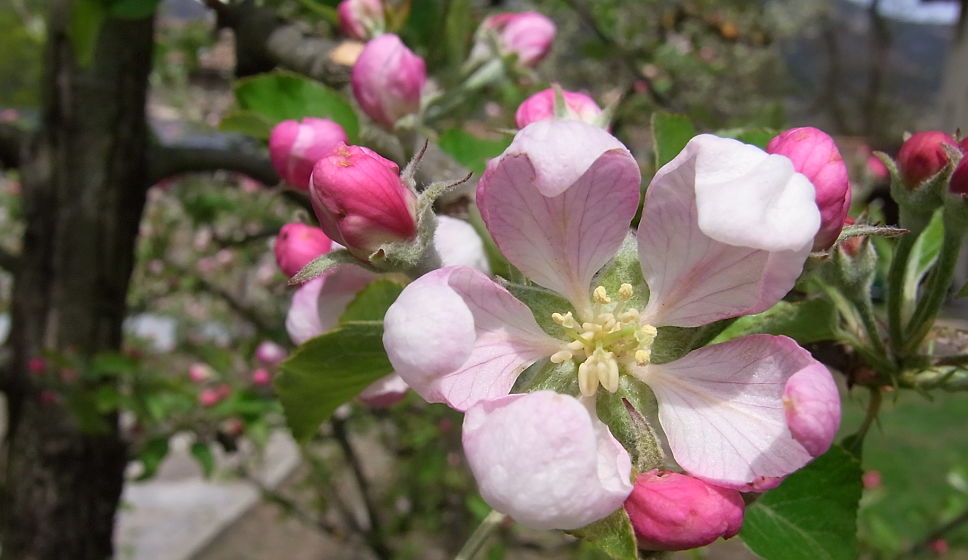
(297, 244)
(922, 156)
(672, 511)
(361, 19)
(814, 154)
(387, 80)
(269, 353)
(261, 376)
(295, 146)
(529, 35)
(200, 373)
(317, 305)
(541, 106)
(361, 201)
(725, 231)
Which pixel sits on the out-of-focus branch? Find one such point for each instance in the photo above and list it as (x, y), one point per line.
(168, 161)
(12, 141)
(264, 41)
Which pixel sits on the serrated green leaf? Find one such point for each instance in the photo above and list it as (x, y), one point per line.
(469, 150)
(328, 371)
(203, 455)
(612, 535)
(151, 455)
(372, 302)
(812, 515)
(671, 133)
(807, 321)
(278, 96)
(249, 123)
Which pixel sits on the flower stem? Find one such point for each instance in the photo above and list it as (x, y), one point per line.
(873, 408)
(937, 289)
(480, 535)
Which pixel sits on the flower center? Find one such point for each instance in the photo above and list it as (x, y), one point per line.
(615, 336)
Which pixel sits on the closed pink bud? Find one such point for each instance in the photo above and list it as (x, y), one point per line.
(361, 19)
(528, 35)
(295, 147)
(959, 179)
(261, 377)
(922, 156)
(541, 106)
(199, 372)
(387, 80)
(269, 353)
(872, 480)
(297, 244)
(812, 406)
(360, 200)
(671, 511)
(815, 155)
(209, 397)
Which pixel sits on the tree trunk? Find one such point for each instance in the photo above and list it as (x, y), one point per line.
(84, 180)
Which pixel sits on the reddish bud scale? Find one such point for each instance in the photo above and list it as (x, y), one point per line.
(922, 156)
(298, 244)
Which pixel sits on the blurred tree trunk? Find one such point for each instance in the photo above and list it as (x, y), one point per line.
(84, 176)
(953, 106)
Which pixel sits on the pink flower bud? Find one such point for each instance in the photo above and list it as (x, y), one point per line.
(360, 200)
(387, 80)
(361, 19)
(812, 406)
(527, 34)
(261, 377)
(295, 147)
(959, 179)
(208, 397)
(671, 511)
(815, 155)
(199, 372)
(939, 547)
(269, 353)
(922, 156)
(541, 106)
(872, 480)
(297, 244)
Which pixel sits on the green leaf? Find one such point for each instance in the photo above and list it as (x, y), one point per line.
(469, 150)
(812, 515)
(807, 321)
(372, 302)
(278, 96)
(923, 255)
(458, 28)
(670, 133)
(249, 123)
(759, 137)
(612, 535)
(203, 455)
(133, 9)
(328, 371)
(151, 455)
(87, 16)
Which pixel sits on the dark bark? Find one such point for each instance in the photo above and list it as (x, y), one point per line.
(84, 178)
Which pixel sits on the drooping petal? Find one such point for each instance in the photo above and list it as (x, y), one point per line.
(459, 245)
(384, 392)
(456, 337)
(721, 408)
(558, 203)
(724, 232)
(317, 305)
(545, 461)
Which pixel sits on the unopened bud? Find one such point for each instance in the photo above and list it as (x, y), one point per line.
(269, 353)
(815, 155)
(671, 511)
(199, 372)
(812, 406)
(209, 397)
(261, 377)
(529, 35)
(361, 19)
(297, 244)
(360, 200)
(541, 106)
(387, 80)
(922, 156)
(959, 179)
(295, 147)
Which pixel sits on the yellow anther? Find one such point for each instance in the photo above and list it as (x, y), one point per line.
(642, 356)
(587, 380)
(625, 291)
(561, 356)
(575, 345)
(565, 320)
(591, 327)
(599, 295)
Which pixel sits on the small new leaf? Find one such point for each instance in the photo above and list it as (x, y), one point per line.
(372, 302)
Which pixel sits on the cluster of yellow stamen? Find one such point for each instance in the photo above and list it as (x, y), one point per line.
(614, 336)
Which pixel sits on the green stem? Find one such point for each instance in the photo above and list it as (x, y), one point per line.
(895, 288)
(936, 291)
(480, 535)
(866, 311)
(873, 408)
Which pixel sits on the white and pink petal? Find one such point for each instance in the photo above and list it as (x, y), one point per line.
(543, 459)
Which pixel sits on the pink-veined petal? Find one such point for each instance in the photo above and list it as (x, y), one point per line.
(545, 461)
(317, 305)
(721, 408)
(701, 269)
(558, 203)
(456, 337)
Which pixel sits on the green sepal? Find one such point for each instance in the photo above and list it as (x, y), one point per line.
(543, 303)
(545, 375)
(631, 414)
(624, 268)
(672, 343)
(869, 230)
(612, 535)
(323, 263)
(804, 321)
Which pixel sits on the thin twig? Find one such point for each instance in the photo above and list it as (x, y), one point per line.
(934, 535)
(292, 507)
(168, 161)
